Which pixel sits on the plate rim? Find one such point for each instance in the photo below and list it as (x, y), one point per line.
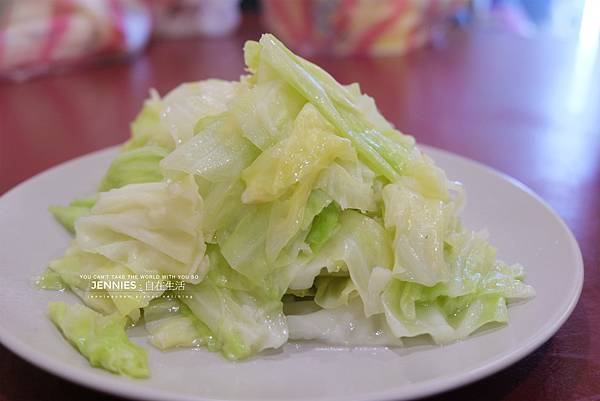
(130, 388)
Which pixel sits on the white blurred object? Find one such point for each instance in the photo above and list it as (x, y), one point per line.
(179, 18)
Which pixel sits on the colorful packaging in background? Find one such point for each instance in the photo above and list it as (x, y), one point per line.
(357, 27)
(41, 36)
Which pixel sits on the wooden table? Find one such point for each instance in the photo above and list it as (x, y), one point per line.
(523, 106)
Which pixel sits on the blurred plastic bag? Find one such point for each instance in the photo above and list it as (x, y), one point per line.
(181, 18)
(364, 27)
(39, 35)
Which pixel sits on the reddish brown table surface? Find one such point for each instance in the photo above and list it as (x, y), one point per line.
(518, 105)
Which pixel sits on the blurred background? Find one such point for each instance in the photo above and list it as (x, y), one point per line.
(38, 37)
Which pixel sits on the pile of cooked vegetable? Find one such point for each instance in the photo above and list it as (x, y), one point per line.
(282, 206)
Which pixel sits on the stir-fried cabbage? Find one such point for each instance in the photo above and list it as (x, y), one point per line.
(100, 338)
(284, 206)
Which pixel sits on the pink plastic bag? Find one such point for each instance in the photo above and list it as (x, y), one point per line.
(37, 36)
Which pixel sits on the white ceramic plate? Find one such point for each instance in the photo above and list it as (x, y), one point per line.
(521, 225)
